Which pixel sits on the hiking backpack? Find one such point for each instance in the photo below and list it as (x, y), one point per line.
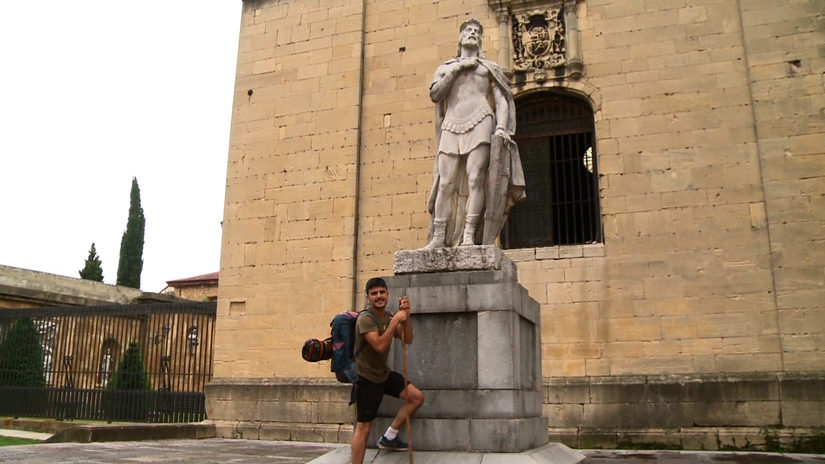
(343, 344)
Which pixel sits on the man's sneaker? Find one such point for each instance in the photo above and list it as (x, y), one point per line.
(395, 444)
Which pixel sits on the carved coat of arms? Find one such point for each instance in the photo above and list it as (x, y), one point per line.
(538, 40)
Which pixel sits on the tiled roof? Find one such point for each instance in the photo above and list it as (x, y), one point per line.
(206, 278)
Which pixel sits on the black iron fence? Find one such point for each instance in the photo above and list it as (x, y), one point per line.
(137, 363)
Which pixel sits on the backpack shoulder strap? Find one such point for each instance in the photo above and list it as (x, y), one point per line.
(377, 323)
(374, 316)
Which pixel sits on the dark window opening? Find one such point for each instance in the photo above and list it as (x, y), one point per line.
(555, 136)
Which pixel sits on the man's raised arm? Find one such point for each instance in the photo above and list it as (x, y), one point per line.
(445, 76)
(382, 343)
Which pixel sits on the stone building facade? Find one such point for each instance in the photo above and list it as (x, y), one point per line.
(692, 313)
(199, 288)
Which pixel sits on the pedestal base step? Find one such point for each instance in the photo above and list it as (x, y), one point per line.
(552, 453)
(470, 435)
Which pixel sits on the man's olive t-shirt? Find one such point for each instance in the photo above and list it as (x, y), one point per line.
(369, 363)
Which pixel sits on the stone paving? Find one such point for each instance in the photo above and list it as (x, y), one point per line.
(167, 451)
(260, 452)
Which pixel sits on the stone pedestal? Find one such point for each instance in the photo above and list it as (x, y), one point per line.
(476, 353)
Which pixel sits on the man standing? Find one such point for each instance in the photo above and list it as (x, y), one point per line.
(466, 129)
(372, 343)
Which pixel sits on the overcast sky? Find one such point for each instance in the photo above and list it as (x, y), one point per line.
(93, 93)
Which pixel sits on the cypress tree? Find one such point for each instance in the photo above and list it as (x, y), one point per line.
(131, 245)
(21, 356)
(131, 372)
(93, 269)
(127, 395)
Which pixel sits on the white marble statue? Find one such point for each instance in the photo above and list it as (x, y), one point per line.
(106, 366)
(478, 175)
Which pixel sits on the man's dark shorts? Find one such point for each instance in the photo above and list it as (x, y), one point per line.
(370, 394)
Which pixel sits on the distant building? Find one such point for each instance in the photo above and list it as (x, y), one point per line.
(25, 288)
(200, 288)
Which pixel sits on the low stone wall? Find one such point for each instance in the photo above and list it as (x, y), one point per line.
(96, 433)
(313, 410)
(37, 425)
(705, 412)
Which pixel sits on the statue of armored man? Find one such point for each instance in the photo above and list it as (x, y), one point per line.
(478, 175)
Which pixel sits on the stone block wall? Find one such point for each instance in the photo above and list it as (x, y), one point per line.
(24, 288)
(197, 292)
(709, 146)
(710, 412)
(281, 409)
(683, 281)
(287, 251)
(786, 68)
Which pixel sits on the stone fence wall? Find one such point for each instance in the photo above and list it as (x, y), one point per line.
(711, 412)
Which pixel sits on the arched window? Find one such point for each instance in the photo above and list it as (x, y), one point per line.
(555, 136)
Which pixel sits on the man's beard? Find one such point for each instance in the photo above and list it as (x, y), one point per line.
(467, 43)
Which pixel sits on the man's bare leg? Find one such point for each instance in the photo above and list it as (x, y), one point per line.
(477, 162)
(413, 398)
(359, 441)
(447, 181)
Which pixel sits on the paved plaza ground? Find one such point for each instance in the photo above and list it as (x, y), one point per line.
(260, 452)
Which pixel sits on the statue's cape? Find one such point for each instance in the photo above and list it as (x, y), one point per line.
(504, 160)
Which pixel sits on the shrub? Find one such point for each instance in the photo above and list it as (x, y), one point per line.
(22, 379)
(128, 393)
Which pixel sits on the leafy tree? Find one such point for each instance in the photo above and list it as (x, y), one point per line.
(131, 245)
(93, 269)
(22, 379)
(127, 395)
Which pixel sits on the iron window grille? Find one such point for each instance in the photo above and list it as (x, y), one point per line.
(555, 135)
